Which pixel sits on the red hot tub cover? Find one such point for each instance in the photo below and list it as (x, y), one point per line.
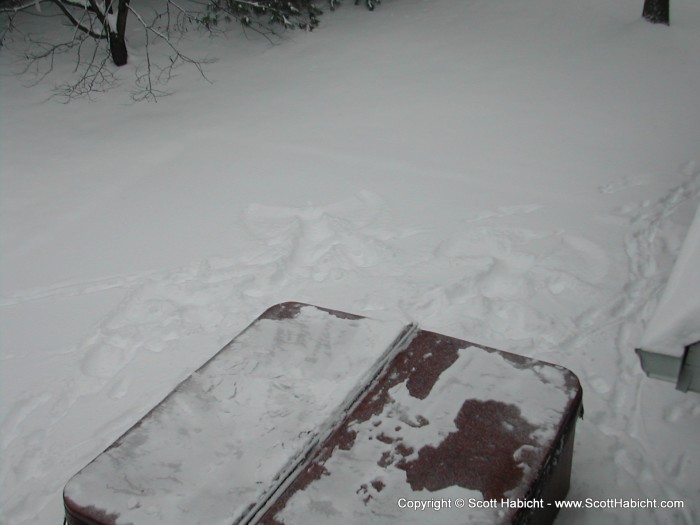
(317, 416)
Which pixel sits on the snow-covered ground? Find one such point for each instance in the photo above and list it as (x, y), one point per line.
(517, 173)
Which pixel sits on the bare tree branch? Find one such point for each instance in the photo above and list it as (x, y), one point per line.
(76, 23)
(177, 55)
(98, 38)
(21, 7)
(99, 13)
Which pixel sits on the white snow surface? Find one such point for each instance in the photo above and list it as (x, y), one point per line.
(519, 174)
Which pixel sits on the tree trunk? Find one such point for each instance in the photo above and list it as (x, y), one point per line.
(117, 48)
(117, 34)
(657, 11)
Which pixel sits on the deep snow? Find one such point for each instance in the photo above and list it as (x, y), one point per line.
(519, 174)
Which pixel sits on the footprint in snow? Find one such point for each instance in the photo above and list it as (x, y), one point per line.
(628, 181)
(504, 211)
(319, 241)
(104, 361)
(515, 283)
(684, 411)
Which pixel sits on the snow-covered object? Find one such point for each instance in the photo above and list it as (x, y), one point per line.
(210, 451)
(349, 416)
(676, 321)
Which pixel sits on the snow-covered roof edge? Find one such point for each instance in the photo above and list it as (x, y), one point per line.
(676, 321)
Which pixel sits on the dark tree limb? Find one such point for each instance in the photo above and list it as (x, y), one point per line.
(76, 23)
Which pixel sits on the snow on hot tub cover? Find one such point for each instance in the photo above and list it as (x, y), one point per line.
(214, 446)
(449, 422)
